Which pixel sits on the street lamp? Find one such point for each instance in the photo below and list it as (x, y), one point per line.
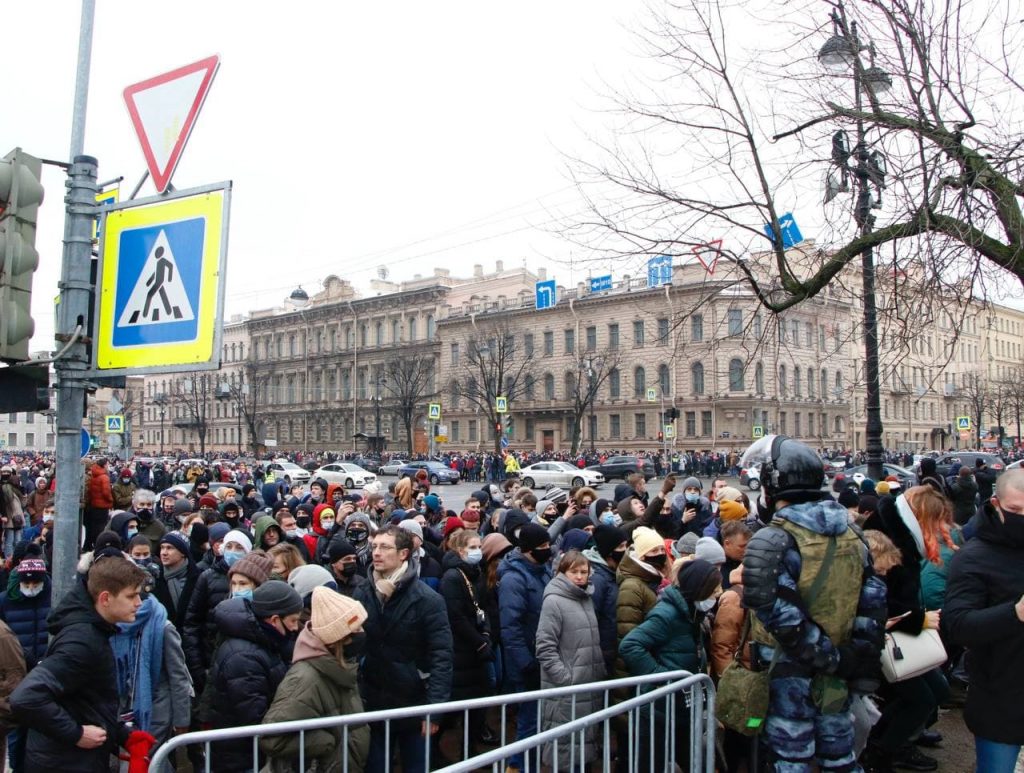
(839, 54)
(592, 362)
(381, 379)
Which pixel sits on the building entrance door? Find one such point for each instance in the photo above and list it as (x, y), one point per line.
(549, 440)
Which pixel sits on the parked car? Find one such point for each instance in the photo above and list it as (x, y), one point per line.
(623, 466)
(944, 464)
(436, 472)
(368, 463)
(289, 472)
(751, 477)
(392, 467)
(1015, 465)
(544, 474)
(833, 467)
(348, 474)
(905, 476)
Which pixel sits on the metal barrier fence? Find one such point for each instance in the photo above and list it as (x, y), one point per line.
(664, 710)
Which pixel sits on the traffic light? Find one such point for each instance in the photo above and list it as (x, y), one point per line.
(21, 193)
(661, 436)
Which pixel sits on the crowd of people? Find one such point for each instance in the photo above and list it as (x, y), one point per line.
(263, 603)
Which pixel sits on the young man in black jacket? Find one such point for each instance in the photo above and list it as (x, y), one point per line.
(69, 702)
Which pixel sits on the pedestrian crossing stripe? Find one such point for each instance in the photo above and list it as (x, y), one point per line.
(159, 294)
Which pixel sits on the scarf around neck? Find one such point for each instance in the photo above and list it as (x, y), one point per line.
(386, 585)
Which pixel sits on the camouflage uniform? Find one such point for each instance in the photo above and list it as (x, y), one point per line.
(851, 609)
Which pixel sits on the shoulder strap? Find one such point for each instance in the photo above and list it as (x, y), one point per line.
(794, 596)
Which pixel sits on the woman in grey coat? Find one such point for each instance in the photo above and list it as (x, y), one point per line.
(569, 653)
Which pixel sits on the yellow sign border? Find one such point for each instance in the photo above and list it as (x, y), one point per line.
(120, 420)
(210, 206)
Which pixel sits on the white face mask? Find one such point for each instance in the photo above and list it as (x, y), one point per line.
(706, 605)
(31, 591)
(47, 518)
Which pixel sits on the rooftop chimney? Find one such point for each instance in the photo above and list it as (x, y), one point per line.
(499, 266)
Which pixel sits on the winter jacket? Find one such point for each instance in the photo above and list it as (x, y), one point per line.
(36, 503)
(75, 685)
(200, 631)
(727, 631)
(963, 493)
(638, 593)
(177, 612)
(986, 580)
(98, 493)
(316, 685)
(669, 639)
(259, 529)
(521, 585)
(27, 618)
(934, 577)
(569, 653)
(903, 581)
(605, 598)
(122, 493)
(244, 676)
(462, 588)
(12, 671)
(705, 515)
(407, 636)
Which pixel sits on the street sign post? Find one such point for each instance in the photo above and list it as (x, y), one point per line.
(791, 235)
(708, 255)
(164, 109)
(670, 431)
(160, 288)
(758, 431)
(103, 199)
(86, 442)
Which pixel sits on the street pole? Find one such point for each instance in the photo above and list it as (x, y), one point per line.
(161, 430)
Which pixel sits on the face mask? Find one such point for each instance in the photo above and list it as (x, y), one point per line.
(348, 570)
(292, 533)
(611, 519)
(245, 593)
(1013, 527)
(356, 536)
(617, 556)
(30, 591)
(302, 521)
(355, 646)
(693, 498)
(474, 556)
(657, 562)
(146, 514)
(143, 562)
(47, 518)
(706, 605)
(131, 532)
(541, 555)
(230, 556)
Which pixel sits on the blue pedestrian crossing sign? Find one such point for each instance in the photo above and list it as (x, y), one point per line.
(434, 411)
(160, 288)
(758, 431)
(500, 404)
(115, 424)
(963, 423)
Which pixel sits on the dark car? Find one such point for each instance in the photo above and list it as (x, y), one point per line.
(436, 472)
(623, 466)
(368, 463)
(944, 464)
(905, 476)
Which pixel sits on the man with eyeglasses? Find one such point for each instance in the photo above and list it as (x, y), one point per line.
(984, 612)
(408, 659)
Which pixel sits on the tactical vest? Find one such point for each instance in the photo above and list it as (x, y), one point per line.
(835, 605)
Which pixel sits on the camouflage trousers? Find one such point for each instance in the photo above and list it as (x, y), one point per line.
(797, 735)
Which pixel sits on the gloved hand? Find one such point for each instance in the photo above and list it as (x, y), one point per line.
(138, 745)
(858, 660)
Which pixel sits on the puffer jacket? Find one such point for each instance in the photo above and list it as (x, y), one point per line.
(569, 653)
(638, 593)
(200, 632)
(122, 493)
(98, 493)
(727, 632)
(316, 685)
(75, 685)
(963, 493)
(669, 639)
(461, 584)
(246, 671)
(27, 618)
(605, 597)
(521, 586)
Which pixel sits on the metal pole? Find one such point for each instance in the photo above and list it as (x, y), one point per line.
(82, 78)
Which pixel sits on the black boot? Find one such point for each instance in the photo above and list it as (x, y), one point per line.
(875, 760)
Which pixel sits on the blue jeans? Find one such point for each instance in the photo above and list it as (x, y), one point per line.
(410, 741)
(11, 538)
(995, 757)
(526, 726)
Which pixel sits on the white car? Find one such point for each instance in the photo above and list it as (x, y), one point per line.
(751, 477)
(289, 472)
(392, 467)
(544, 474)
(349, 475)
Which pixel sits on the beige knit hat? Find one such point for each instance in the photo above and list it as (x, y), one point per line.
(334, 616)
(646, 540)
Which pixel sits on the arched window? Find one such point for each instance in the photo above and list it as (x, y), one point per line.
(759, 378)
(614, 383)
(736, 375)
(810, 382)
(639, 382)
(783, 386)
(697, 377)
(664, 380)
(528, 387)
(839, 379)
(570, 385)
(379, 334)
(549, 387)
(412, 329)
(797, 390)
(431, 327)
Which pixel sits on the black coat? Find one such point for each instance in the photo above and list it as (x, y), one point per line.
(75, 685)
(176, 613)
(247, 668)
(406, 636)
(200, 633)
(27, 619)
(469, 676)
(902, 582)
(986, 579)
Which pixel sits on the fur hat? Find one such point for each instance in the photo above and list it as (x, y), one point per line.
(335, 617)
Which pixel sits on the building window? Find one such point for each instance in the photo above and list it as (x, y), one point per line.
(808, 335)
(757, 326)
(12, 418)
(529, 387)
(821, 337)
(472, 431)
(823, 381)
(664, 380)
(759, 378)
(455, 355)
(691, 423)
(395, 331)
(570, 385)
(697, 378)
(613, 336)
(697, 328)
(549, 387)
(570, 341)
(638, 333)
(797, 389)
(782, 423)
(291, 346)
(783, 386)
(810, 425)
(640, 425)
(431, 327)
(378, 334)
(591, 339)
(528, 344)
(614, 428)
(794, 331)
(614, 383)
(796, 424)
(705, 423)
(531, 430)
(30, 439)
(735, 322)
(639, 382)
(412, 329)
(839, 382)
(810, 387)
(736, 375)
(549, 344)
(663, 331)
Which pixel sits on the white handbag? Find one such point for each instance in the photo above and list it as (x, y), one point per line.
(905, 656)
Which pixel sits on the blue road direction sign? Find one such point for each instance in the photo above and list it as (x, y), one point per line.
(659, 271)
(599, 284)
(160, 292)
(790, 231)
(547, 294)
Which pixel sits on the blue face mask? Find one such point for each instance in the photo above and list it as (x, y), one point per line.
(474, 556)
(131, 532)
(230, 556)
(242, 594)
(611, 518)
(692, 498)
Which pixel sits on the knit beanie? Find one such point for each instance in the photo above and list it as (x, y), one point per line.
(698, 579)
(208, 500)
(257, 566)
(236, 535)
(306, 578)
(646, 540)
(218, 531)
(495, 546)
(848, 498)
(453, 525)
(182, 508)
(275, 597)
(728, 493)
(882, 488)
(107, 539)
(471, 518)
(412, 527)
(338, 548)
(731, 510)
(574, 539)
(515, 519)
(607, 538)
(579, 521)
(432, 502)
(709, 550)
(600, 506)
(867, 486)
(335, 617)
(692, 482)
(531, 536)
(177, 541)
(32, 570)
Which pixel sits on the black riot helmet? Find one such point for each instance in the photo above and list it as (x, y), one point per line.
(790, 470)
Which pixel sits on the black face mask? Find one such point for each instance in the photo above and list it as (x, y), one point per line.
(302, 521)
(541, 555)
(617, 556)
(658, 562)
(1013, 528)
(355, 647)
(348, 570)
(145, 514)
(356, 536)
(202, 491)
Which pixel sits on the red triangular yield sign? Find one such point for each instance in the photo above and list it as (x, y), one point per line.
(715, 248)
(163, 110)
